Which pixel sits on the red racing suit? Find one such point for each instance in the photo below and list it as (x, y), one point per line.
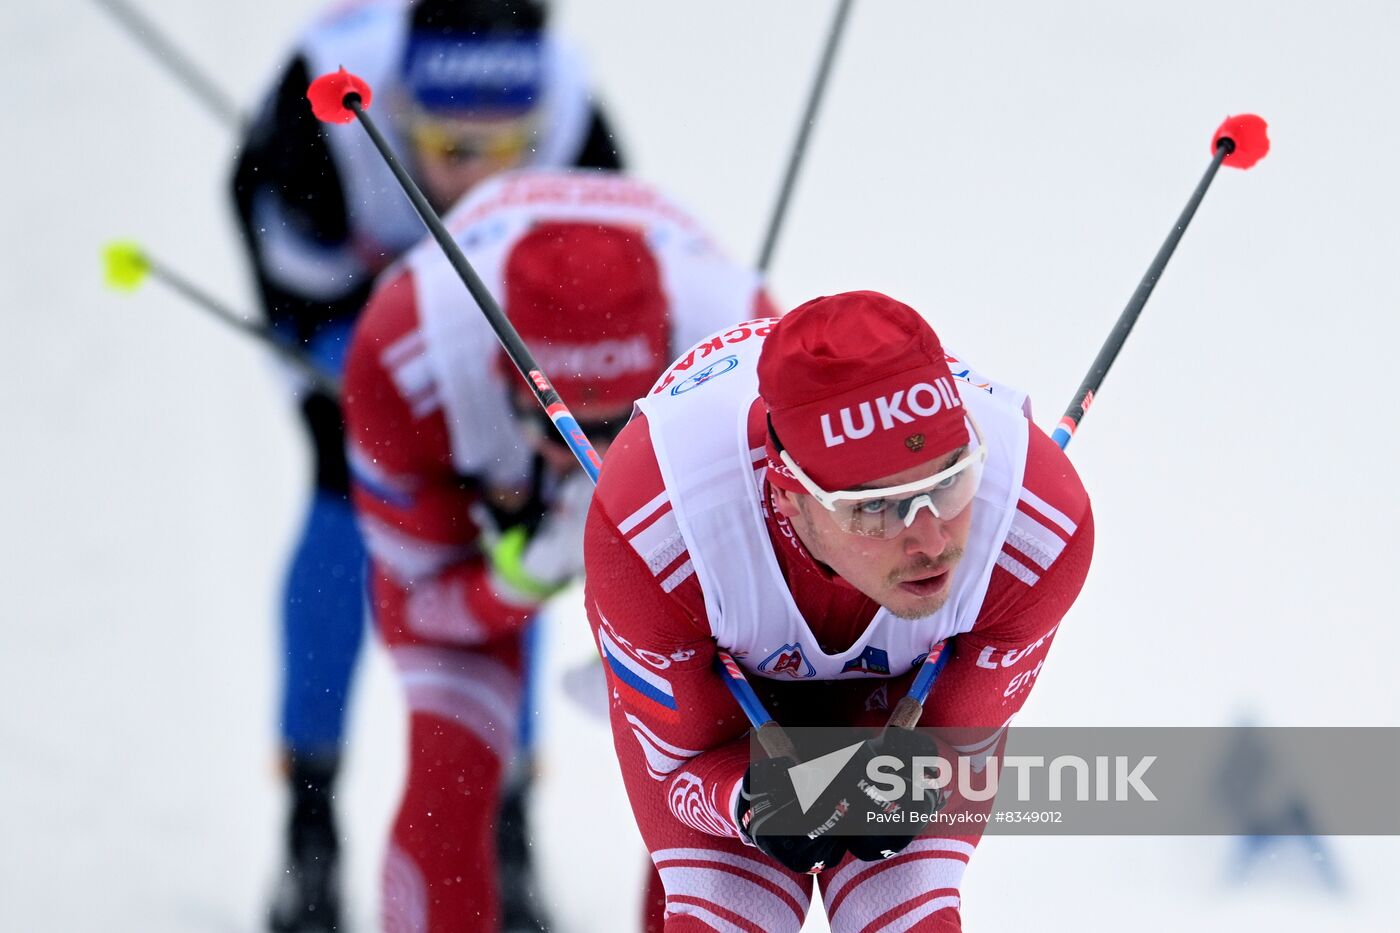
(430, 430)
(682, 740)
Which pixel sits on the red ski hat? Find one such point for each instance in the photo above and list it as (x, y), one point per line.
(857, 388)
(587, 300)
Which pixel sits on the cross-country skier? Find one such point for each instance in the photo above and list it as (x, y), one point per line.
(470, 504)
(467, 88)
(826, 498)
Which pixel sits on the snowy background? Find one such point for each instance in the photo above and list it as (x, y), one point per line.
(1007, 167)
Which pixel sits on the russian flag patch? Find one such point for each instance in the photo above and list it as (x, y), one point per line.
(634, 674)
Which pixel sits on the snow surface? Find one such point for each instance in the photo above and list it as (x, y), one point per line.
(1008, 167)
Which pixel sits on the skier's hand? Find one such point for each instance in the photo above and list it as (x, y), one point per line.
(904, 744)
(838, 821)
(538, 559)
(768, 794)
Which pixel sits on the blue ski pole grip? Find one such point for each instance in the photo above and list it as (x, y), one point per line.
(743, 692)
(578, 442)
(928, 673)
(769, 733)
(911, 706)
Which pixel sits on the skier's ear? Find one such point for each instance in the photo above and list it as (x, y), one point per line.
(786, 502)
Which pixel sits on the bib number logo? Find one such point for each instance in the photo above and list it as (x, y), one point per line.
(718, 368)
(788, 661)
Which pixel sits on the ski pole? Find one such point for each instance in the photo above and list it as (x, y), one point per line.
(1240, 142)
(804, 131)
(910, 708)
(340, 97)
(770, 734)
(127, 266)
(141, 29)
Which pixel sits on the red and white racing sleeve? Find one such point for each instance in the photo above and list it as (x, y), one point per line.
(1038, 575)
(430, 581)
(680, 737)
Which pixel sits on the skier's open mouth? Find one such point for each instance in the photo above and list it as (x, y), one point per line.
(929, 585)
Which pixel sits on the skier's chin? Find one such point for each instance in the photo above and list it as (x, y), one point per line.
(903, 606)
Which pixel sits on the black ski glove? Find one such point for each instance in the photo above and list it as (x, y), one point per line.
(904, 744)
(817, 848)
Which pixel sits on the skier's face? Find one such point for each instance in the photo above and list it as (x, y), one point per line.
(910, 574)
(455, 155)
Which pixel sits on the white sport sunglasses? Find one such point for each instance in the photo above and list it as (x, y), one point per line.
(884, 513)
